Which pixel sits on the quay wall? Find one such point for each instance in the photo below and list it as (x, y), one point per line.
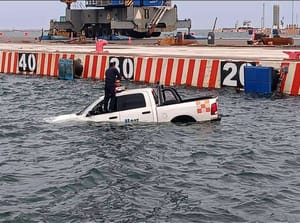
(197, 72)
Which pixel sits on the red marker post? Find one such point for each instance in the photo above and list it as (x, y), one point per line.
(129, 40)
(99, 45)
(26, 35)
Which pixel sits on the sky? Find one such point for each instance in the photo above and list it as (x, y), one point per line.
(37, 14)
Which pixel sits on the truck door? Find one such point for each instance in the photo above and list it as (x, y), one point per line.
(134, 108)
(98, 115)
(106, 117)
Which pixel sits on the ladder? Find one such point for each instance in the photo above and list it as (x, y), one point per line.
(78, 5)
(157, 17)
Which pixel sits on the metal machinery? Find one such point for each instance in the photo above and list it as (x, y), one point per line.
(135, 18)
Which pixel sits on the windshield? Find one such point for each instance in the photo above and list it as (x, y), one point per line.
(82, 110)
(90, 104)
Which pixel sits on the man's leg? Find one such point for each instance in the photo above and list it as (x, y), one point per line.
(112, 106)
(112, 100)
(106, 99)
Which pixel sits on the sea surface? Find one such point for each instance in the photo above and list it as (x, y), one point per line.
(244, 168)
(32, 35)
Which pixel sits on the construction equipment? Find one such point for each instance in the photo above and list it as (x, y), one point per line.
(263, 39)
(134, 18)
(178, 40)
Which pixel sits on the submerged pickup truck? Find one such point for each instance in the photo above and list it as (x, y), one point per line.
(160, 104)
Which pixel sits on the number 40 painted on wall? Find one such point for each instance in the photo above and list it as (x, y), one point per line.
(27, 62)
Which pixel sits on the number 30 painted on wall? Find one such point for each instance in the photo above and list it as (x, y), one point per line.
(232, 73)
(125, 66)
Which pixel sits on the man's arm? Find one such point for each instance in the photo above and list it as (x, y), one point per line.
(120, 76)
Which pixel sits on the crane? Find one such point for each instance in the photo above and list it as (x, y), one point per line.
(134, 18)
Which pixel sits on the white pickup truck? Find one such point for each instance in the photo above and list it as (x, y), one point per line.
(149, 105)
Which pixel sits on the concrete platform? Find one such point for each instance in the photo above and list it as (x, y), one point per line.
(215, 52)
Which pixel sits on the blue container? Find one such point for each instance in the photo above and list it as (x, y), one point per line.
(153, 2)
(137, 3)
(117, 3)
(65, 69)
(258, 79)
(148, 2)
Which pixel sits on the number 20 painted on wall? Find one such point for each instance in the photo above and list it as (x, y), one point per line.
(232, 73)
(27, 62)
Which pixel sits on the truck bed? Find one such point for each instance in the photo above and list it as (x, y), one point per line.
(197, 98)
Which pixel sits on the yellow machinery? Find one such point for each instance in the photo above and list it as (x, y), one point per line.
(177, 40)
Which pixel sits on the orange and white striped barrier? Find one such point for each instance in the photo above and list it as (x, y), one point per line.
(291, 82)
(201, 73)
(177, 71)
(9, 62)
(94, 66)
(45, 64)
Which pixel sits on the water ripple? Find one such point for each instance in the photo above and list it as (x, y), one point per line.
(244, 168)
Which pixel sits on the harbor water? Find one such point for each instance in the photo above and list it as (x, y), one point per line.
(244, 168)
(33, 35)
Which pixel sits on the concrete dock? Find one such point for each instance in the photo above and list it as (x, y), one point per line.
(203, 51)
(208, 66)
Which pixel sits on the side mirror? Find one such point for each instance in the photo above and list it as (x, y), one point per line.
(90, 113)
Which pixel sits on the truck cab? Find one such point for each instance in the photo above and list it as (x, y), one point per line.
(136, 105)
(153, 105)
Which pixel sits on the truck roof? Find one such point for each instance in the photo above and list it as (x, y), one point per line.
(135, 91)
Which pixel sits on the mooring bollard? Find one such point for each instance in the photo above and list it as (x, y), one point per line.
(100, 44)
(129, 40)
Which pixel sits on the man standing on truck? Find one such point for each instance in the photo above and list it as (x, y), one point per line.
(111, 74)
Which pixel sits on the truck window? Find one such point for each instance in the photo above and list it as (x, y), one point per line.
(98, 109)
(169, 97)
(131, 101)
